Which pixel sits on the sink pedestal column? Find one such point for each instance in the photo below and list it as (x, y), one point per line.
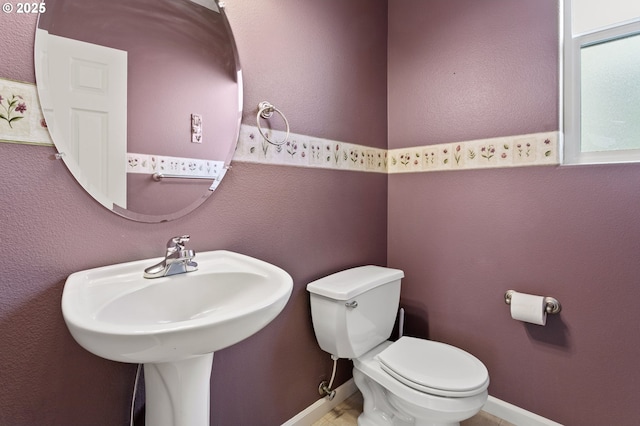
(178, 392)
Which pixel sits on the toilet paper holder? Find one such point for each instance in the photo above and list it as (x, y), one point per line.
(552, 306)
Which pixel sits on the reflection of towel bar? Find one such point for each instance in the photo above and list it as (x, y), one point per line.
(159, 176)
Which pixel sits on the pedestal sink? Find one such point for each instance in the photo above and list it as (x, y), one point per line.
(174, 324)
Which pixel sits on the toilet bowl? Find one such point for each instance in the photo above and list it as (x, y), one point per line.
(399, 400)
(408, 382)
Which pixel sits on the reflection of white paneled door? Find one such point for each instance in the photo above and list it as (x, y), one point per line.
(86, 110)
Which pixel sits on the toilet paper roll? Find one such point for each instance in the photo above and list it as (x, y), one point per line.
(528, 308)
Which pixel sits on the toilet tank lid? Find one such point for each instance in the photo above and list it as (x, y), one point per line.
(349, 283)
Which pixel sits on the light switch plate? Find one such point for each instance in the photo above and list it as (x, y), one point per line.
(196, 128)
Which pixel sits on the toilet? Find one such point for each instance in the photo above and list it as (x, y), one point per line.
(407, 382)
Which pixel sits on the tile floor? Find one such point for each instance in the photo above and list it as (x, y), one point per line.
(347, 412)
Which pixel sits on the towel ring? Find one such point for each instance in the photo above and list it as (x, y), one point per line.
(266, 110)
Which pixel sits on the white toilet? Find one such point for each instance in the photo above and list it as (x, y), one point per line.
(408, 382)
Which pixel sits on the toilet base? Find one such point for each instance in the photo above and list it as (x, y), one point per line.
(378, 409)
(367, 422)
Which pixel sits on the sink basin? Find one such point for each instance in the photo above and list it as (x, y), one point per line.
(117, 314)
(174, 324)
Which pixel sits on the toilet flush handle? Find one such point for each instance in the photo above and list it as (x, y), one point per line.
(353, 304)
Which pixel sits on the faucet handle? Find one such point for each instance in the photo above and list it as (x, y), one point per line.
(177, 243)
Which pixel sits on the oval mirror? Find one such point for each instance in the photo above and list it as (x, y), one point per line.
(142, 98)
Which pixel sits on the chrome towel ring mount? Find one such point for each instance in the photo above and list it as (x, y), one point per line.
(265, 111)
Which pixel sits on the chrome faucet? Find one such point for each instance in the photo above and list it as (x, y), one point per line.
(177, 260)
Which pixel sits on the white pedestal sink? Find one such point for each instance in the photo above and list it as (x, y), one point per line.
(173, 325)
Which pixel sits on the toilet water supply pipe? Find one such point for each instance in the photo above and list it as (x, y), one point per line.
(325, 389)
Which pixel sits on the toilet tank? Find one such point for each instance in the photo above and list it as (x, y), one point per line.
(354, 310)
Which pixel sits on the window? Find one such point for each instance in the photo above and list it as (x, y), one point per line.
(601, 81)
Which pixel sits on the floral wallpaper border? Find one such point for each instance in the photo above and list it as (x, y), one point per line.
(307, 151)
(537, 149)
(21, 121)
(149, 163)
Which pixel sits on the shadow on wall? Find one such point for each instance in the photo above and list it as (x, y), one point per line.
(140, 406)
(416, 320)
(554, 334)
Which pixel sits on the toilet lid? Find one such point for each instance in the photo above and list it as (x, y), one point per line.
(434, 367)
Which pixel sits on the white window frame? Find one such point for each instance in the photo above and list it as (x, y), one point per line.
(571, 99)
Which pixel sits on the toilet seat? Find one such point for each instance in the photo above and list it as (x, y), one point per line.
(371, 368)
(434, 368)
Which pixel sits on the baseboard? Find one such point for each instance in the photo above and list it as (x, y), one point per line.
(515, 415)
(318, 409)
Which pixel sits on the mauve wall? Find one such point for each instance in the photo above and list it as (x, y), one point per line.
(463, 70)
(309, 222)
